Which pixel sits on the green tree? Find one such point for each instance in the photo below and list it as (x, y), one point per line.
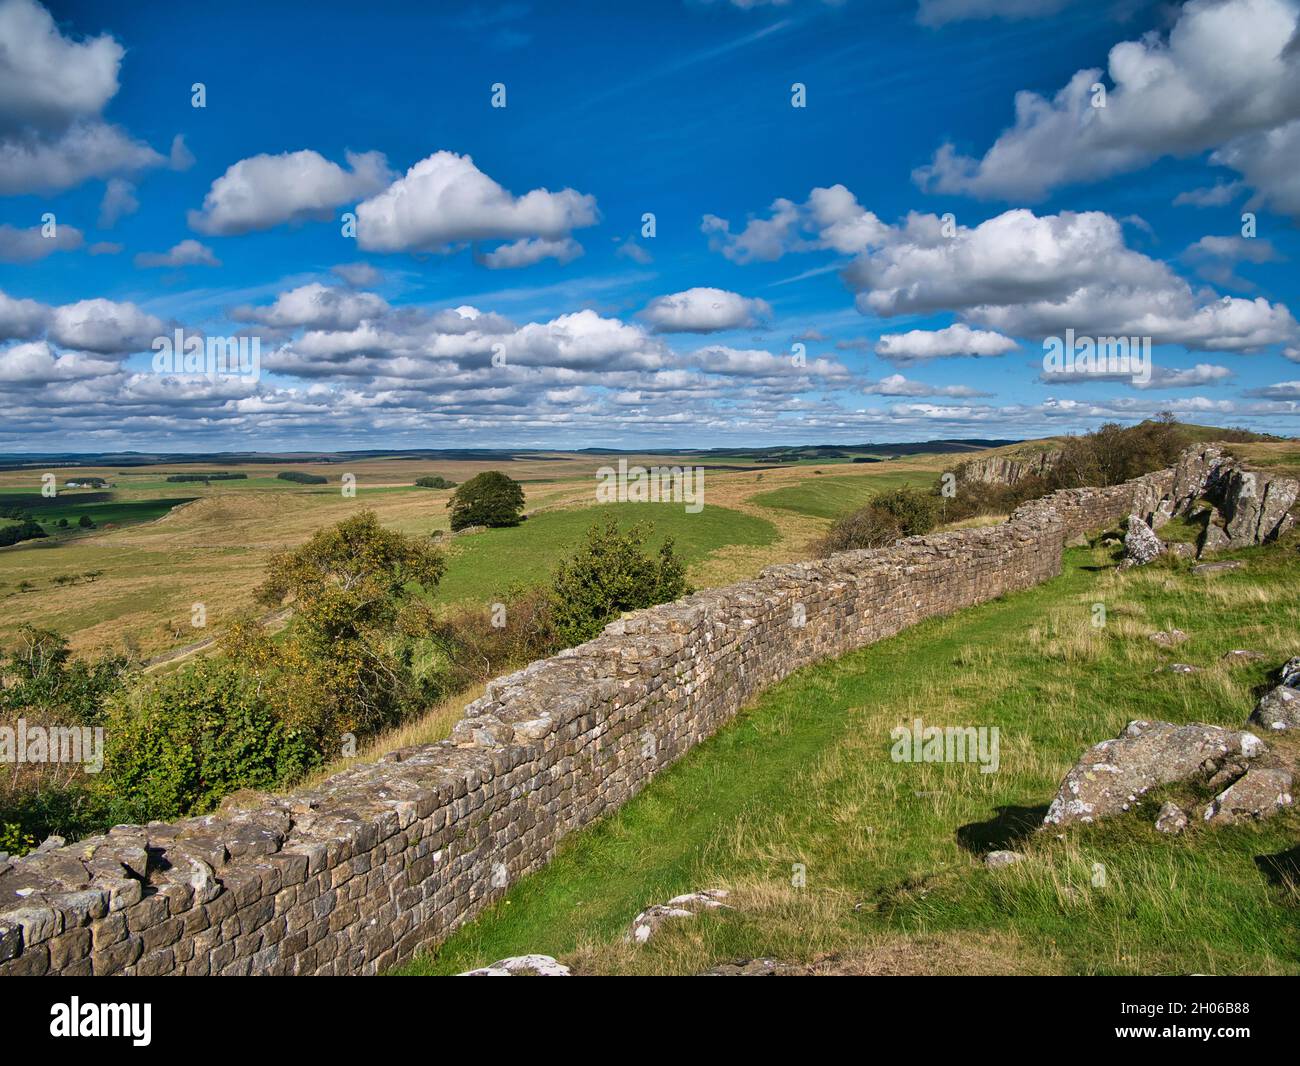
(85, 522)
(610, 574)
(344, 664)
(487, 499)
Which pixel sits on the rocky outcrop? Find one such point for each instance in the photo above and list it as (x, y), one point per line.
(1280, 707)
(1008, 469)
(1113, 775)
(1255, 505)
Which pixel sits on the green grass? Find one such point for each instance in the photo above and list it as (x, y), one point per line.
(830, 497)
(482, 565)
(891, 850)
(101, 505)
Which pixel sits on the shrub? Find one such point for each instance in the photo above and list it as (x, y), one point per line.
(177, 745)
(343, 664)
(41, 682)
(300, 478)
(85, 522)
(904, 512)
(434, 481)
(487, 499)
(610, 574)
(1109, 455)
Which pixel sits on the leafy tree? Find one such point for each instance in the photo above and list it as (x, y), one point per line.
(434, 481)
(344, 664)
(487, 499)
(85, 522)
(610, 574)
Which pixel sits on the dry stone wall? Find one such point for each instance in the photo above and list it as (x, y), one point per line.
(383, 860)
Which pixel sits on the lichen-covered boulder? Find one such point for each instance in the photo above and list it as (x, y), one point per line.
(650, 920)
(1258, 793)
(1171, 819)
(1280, 707)
(1114, 774)
(521, 966)
(1141, 545)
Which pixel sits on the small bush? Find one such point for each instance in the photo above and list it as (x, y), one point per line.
(85, 522)
(176, 746)
(904, 512)
(610, 574)
(434, 481)
(487, 499)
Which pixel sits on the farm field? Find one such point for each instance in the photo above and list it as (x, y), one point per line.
(160, 546)
(803, 781)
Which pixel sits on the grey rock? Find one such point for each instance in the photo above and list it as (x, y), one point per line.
(1278, 709)
(997, 860)
(1242, 655)
(1111, 776)
(1171, 819)
(1218, 568)
(1259, 793)
(652, 919)
(1255, 504)
(1290, 672)
(1214, 539)
(764, 967)
(521, 966)
(1168, 638)
(1141, 545)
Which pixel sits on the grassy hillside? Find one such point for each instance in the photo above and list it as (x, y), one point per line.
(891, 850)
(830, 496)
(487, 564)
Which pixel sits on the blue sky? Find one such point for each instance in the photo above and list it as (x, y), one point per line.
(499, 291)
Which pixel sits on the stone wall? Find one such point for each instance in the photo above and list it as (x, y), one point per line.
(386, 859)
